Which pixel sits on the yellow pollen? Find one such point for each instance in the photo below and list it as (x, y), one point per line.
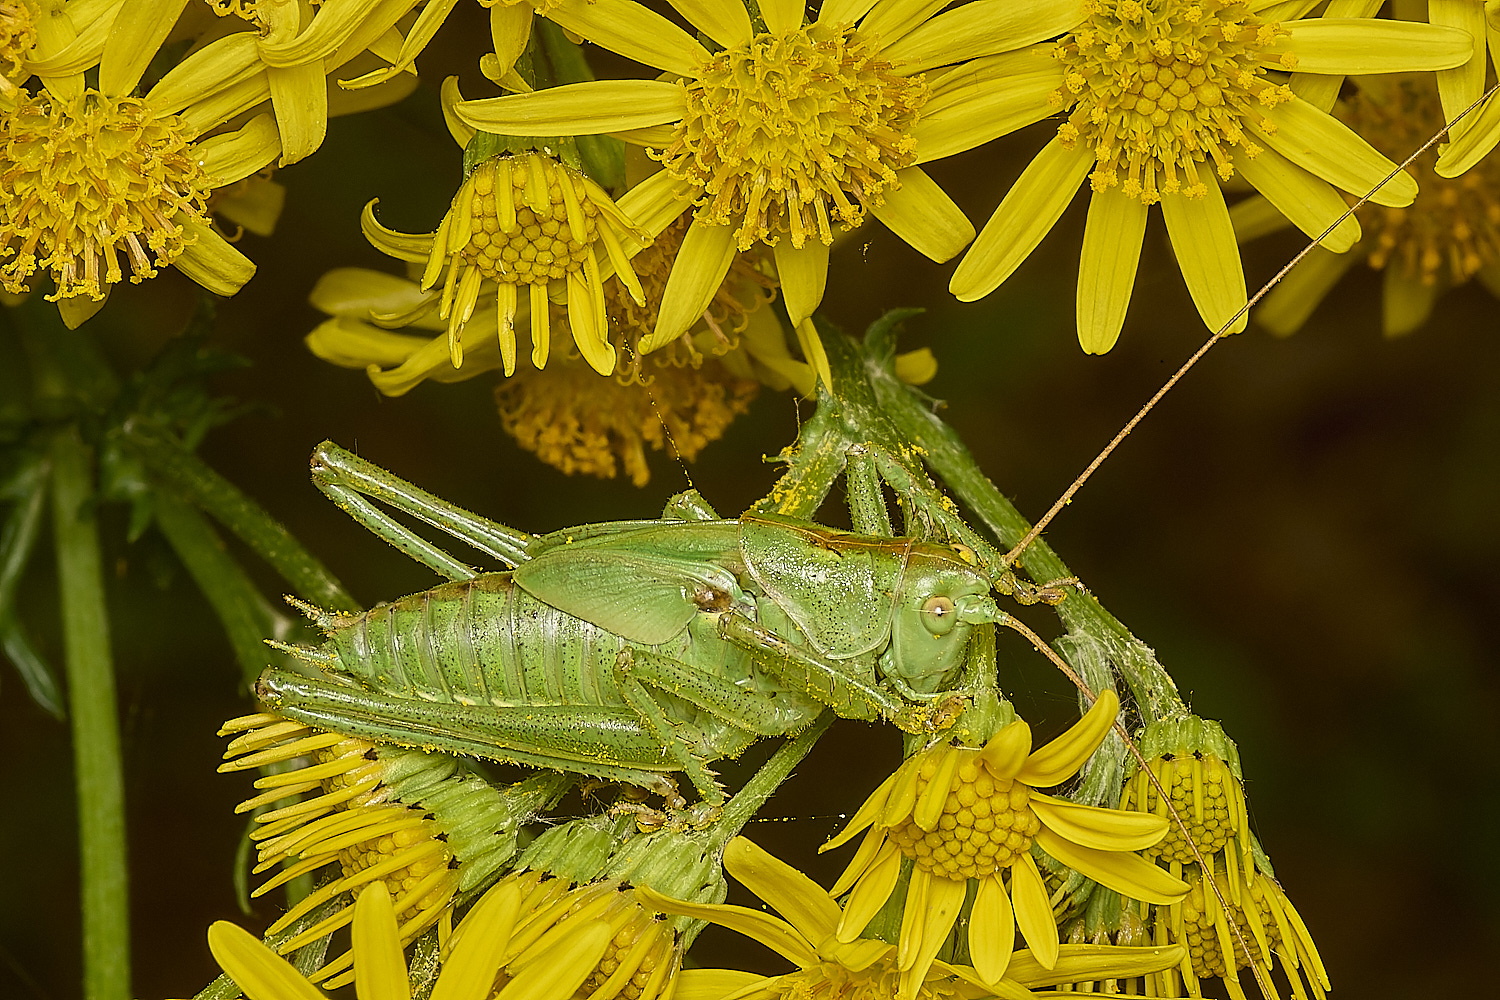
(1163, 88)
(521, 227)
(1452, 230)
(85, 179)
(792, 132)
(986, 823)
(17, 36)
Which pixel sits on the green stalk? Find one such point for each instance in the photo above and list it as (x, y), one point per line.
(232, 508)
(96, 737)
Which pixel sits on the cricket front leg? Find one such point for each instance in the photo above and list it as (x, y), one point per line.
(349, 481)
(828, 681)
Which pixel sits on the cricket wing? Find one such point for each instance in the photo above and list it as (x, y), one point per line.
(642, 596)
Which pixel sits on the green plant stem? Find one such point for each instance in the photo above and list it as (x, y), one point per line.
(96, 737)
(232, 508)
(246, 616)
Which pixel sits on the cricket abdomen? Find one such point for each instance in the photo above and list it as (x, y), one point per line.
(483, 641)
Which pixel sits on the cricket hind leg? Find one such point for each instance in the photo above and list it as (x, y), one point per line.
(601, 742)
(351, 482)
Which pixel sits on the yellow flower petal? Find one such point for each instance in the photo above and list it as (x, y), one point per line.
(929, 807)
(903, 794)
(1330, 149)
(1293, 300)
(812, 350)
(843, 11)
(1112, 240)
(1475, 136)
(349, 343)
(1408, 301)
(985, 99)
(1203, 241)
(711, 984)
(1033, 910)
(1128, 874)
(1369, 45)
(1462, 85)
(1061, 758)
(1308, 201)
(478, 944)
(253, 967)
(299, 95)
(219, 64)
(210, 260)
(633, 31)
(796, 897)
(893, 20)
(944, 897)
(1005, 754)
(704, 259)
(1101, 829)
(870, 893)
(233, 156)
(778, 935)
(863, 816)
(336, 22)
(983, 28)
(569, 962)
(992, 929)
(1085, 962)
(578, 108)
(134, 39)
(213, 111)
(78, 55)
(510, 30)
(1030, 209)
(76, 310)
(803, 274)
(780, 16)
(379, 968)
(923, 215)
(402, 246)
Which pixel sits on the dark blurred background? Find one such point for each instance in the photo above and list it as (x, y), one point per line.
(1305, 531)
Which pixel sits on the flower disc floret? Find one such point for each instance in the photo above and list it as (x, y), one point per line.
(1201, 790)
(1202, 933)
(794, 131)
(86, 178)
(530, 220)
(17, 37)
(1160, 86)
(986, 822)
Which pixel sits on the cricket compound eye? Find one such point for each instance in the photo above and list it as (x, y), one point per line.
(939, 614)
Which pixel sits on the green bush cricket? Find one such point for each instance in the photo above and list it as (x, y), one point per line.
(628, 650)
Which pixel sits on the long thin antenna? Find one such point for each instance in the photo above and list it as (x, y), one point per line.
(1219, 334)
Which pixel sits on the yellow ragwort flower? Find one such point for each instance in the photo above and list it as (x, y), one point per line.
(1255, 921)
(963, 813)
(89, 173)
(525, 220)
(405, 819)
(504, 949)
(782, 131)
(834, 968)
(1450, 234)
(17, 38)
(1167, 99)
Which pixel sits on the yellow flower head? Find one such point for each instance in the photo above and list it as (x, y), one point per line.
(1264, 923)
(787, 130)
(965, 812)
(1167, 99)
(86, 179)
(526, 220)
(1448, 235)
(404, 819)
(833, 967)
